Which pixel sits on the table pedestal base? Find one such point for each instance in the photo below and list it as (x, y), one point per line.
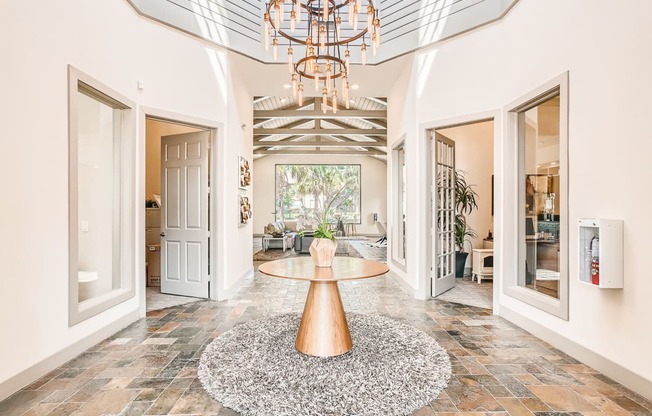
(323, 331)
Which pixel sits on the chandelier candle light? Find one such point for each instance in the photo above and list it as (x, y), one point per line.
(322, 40)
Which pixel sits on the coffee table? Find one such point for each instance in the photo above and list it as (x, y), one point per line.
(286, 241)
(324, 331)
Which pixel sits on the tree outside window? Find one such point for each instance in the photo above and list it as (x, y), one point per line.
(304, 191)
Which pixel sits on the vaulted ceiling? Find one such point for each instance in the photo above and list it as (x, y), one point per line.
(282, 127)
(407, 25)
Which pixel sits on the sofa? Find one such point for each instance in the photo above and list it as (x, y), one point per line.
(281, 229)
(300, 234)
(302, 242)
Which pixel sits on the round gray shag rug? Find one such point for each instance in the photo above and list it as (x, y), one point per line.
(393, 369)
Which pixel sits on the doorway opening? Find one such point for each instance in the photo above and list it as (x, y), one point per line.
(462, 249)
(177, 207)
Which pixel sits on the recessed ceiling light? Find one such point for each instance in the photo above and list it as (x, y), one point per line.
(553, 163)
(355, 87)
(287, 86)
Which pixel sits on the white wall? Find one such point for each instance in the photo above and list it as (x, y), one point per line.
(234, 247)
(489, 68)
(374, 188)
(181, 75)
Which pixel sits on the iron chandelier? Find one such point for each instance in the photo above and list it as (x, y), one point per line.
(322, 38)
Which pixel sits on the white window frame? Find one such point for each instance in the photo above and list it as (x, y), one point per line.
(80, 311)
(397, 209)
(556, 307)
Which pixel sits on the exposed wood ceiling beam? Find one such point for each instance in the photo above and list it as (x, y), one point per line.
(285, 126)
(261, 99)
(360, 143)
(344, 125)
(379, 100)
(320, 140)
(313, 114)
(370, 152)
(342, 132)
(376, 122)
(363, 144)
(259, 121)
(259, 142)
(314, 143)
(368, 145)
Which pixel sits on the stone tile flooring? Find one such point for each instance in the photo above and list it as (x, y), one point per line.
(470, 293)
(368, 250)
(150, 367)
(157, 300)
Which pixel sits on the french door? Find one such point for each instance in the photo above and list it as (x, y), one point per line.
(443, 214)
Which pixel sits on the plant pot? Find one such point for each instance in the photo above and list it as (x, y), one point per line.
(322, 251)
(460, 261)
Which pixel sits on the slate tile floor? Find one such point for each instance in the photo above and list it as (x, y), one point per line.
(150, 367)
(470, 293)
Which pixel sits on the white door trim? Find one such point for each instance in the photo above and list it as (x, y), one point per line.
(424, 253)
(216, 213)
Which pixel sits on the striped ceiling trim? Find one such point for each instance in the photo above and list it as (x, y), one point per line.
(407, 25)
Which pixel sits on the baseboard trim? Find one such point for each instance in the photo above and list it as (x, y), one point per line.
(405, 285)
(626, 377)
(38, 370)
(226, 294)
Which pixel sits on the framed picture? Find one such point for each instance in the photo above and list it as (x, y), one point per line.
(244, 174)
(245, 210)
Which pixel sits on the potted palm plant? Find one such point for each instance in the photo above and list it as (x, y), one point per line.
(465, 203)
(323, 247)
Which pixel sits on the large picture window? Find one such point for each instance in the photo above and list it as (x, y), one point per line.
(306, 192)
(399, 202)
(539, 124)
(101, 238)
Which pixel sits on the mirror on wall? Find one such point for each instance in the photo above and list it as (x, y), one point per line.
(540, 235)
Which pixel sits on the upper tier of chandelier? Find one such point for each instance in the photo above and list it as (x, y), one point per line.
(319, 50)
(407, 25)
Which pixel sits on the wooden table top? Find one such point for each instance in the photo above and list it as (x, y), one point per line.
(303, 268)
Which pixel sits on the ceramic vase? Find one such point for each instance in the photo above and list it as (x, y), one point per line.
(322, 251)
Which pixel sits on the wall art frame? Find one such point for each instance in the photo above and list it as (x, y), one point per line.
(244, 207)
(244, 173)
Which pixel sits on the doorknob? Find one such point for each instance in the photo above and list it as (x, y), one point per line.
(162, 234)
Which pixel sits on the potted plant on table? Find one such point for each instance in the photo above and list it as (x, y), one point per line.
(465, 203)
(323, 247)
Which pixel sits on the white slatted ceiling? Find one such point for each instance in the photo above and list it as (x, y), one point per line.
(406, 24)
(276, 103)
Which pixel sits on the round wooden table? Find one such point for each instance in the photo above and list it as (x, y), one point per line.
(324, 331)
